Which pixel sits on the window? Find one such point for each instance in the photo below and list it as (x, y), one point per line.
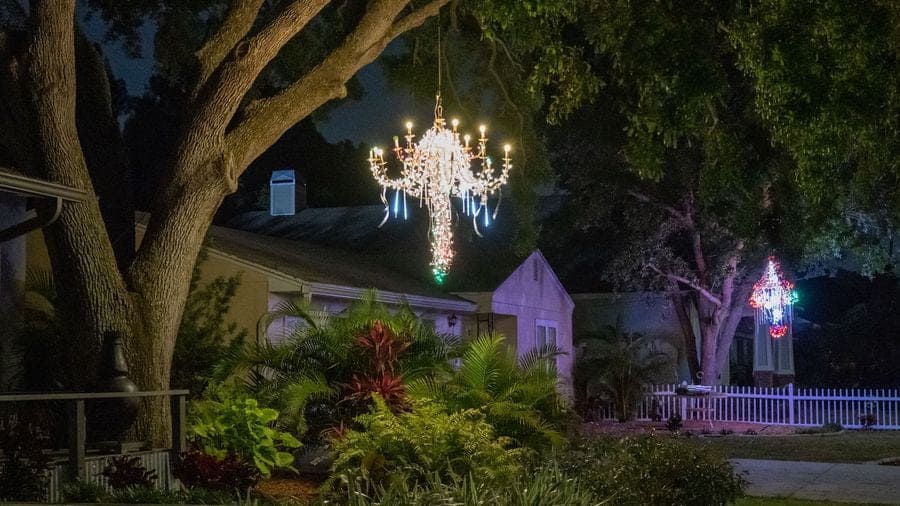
(545, 333)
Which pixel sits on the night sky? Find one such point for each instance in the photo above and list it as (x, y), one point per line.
(373, 120)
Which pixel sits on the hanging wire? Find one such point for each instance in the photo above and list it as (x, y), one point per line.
(439, 51)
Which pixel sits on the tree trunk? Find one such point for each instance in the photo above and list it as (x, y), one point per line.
(162, 273)
(689, 339)
(96, 298)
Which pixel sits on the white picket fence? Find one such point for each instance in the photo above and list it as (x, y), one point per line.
(810, 407)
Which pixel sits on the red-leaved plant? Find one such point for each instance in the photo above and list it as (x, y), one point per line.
(197, 469)
(382, 347)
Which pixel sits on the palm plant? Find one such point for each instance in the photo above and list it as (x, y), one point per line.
(322, 373)
(620, 365)
(518, 396)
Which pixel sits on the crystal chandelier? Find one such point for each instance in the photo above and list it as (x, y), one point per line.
(772, 297)
(441, 166)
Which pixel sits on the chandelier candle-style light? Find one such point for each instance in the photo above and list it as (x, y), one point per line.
(773, 296)
(440, 166)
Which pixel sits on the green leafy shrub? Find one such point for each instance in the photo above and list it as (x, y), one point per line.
(618, 366)
(124, 471)
(652, 472)
(518, 396)
(547, 486)
(425, 442)
(237, 425)
(146, 495)
(79, 491)
(205, 336)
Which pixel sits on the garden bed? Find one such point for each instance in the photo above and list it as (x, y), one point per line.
(694, 427)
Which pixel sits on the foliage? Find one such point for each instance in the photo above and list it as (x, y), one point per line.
(80, 491)
(204, 336)
(518, 396)
(24, 469)
(546, 486)
(45, 364)
(200, 495)
(237, 425)
(198, 470)
(146, 495)
(826, 80)
(322, 373)
(124, 471)
(620, 365)
(652, 471)
(423, 442)
(674, 423)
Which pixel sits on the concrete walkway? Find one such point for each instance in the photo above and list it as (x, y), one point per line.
(860, 483)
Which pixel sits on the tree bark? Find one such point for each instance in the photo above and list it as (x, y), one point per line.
(679, 302)
(84, 264)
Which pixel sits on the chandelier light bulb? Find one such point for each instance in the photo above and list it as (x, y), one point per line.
(435, 170)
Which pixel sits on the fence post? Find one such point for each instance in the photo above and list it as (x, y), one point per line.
(77, 430)
(179, 415)
(790, 399)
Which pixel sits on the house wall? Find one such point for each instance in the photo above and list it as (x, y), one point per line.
(531, 293)
(12, 273)
(648, 314)
(320, 306)
(249, 303)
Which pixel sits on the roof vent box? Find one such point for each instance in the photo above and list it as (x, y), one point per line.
(282, 193)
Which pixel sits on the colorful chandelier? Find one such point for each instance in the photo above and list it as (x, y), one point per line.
(772, 297)
(439, 167)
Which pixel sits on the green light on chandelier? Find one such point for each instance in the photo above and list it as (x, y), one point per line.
(439, 276)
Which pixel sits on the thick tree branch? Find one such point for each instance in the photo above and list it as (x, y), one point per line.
(267, 119)
(681, 279)
(665, 207)
(235, 26)
(201, 146)
(416, 18)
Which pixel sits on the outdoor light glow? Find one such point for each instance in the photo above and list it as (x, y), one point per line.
(772, 296)
(436, 169)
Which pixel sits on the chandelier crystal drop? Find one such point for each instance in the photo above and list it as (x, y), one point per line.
(773, 296)
(440, 166)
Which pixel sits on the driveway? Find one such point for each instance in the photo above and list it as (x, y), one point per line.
(860, 483)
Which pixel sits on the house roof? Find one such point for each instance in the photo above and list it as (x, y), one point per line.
(480, 264)
(327, 270)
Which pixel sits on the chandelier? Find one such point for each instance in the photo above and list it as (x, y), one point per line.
(772, 297)
(441, 166)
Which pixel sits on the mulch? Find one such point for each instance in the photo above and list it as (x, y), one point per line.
(695, 427)
(290, 489)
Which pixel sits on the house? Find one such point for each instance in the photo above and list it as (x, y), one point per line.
(526, 303)
(531, 306)
(521, 299)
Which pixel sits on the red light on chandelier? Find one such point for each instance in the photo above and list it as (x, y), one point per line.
(772, 297)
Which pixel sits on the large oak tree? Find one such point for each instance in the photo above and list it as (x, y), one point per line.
(58, 124)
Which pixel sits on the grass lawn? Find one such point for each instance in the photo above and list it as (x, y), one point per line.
(852, 446)
(777, 501)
